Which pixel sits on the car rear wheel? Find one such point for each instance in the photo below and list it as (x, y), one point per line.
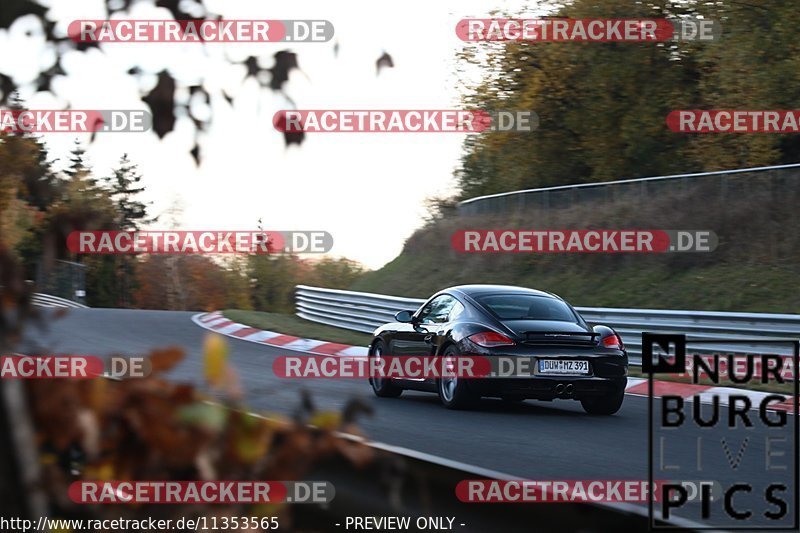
(604, 405)
(453, 391)
(383, 387)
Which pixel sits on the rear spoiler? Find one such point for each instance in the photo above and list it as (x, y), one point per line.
(560, 337)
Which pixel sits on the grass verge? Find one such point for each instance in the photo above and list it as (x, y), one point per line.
(299, 327)
(754, 268)
(645, 283)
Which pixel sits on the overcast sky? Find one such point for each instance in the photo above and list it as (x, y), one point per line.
(367, 190)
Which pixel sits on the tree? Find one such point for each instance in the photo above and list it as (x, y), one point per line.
(18, 161)
(84, 205)
(77, 165)
(236, 283)
(205, 284)
(602, 106)
(125, 186)
(339, 273)
(273, 279)
(755, 67)
(28, 187)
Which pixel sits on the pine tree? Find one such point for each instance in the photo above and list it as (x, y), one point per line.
(77, 169)
(125, 185)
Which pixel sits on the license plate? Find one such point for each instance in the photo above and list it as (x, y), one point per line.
(563, 366)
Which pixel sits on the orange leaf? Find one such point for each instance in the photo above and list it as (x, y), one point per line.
(165, 359)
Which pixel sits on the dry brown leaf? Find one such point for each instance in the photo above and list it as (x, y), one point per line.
(165, 359)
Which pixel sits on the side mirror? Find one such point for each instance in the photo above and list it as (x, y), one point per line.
(405, 316)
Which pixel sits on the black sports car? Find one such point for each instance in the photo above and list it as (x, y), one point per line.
(570, 359)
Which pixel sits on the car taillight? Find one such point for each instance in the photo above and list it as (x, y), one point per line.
(490, 339)
(613, 341)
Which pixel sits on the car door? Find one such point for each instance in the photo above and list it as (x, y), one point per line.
(432, 319)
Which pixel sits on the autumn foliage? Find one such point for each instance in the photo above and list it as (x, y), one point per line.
(155, 429)
(40, 206)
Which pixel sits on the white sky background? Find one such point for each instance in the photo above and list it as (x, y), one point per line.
(367, 190)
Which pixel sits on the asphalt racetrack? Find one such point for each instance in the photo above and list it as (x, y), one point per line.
(533, 440)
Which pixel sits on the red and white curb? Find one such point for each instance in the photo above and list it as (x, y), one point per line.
(219, 324)
(636, 386)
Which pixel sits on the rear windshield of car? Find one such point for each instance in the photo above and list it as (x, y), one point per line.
(527, 307)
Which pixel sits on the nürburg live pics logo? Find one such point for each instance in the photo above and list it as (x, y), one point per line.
(722, 413)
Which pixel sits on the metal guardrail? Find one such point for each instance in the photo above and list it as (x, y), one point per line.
(726, 183)
(358, 311)
(46, 300)
(66, 279)
(361, 311)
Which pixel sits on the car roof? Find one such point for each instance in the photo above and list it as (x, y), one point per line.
(479, 290)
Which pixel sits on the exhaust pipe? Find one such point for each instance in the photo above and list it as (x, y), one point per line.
(569, 389)
(559, 389)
